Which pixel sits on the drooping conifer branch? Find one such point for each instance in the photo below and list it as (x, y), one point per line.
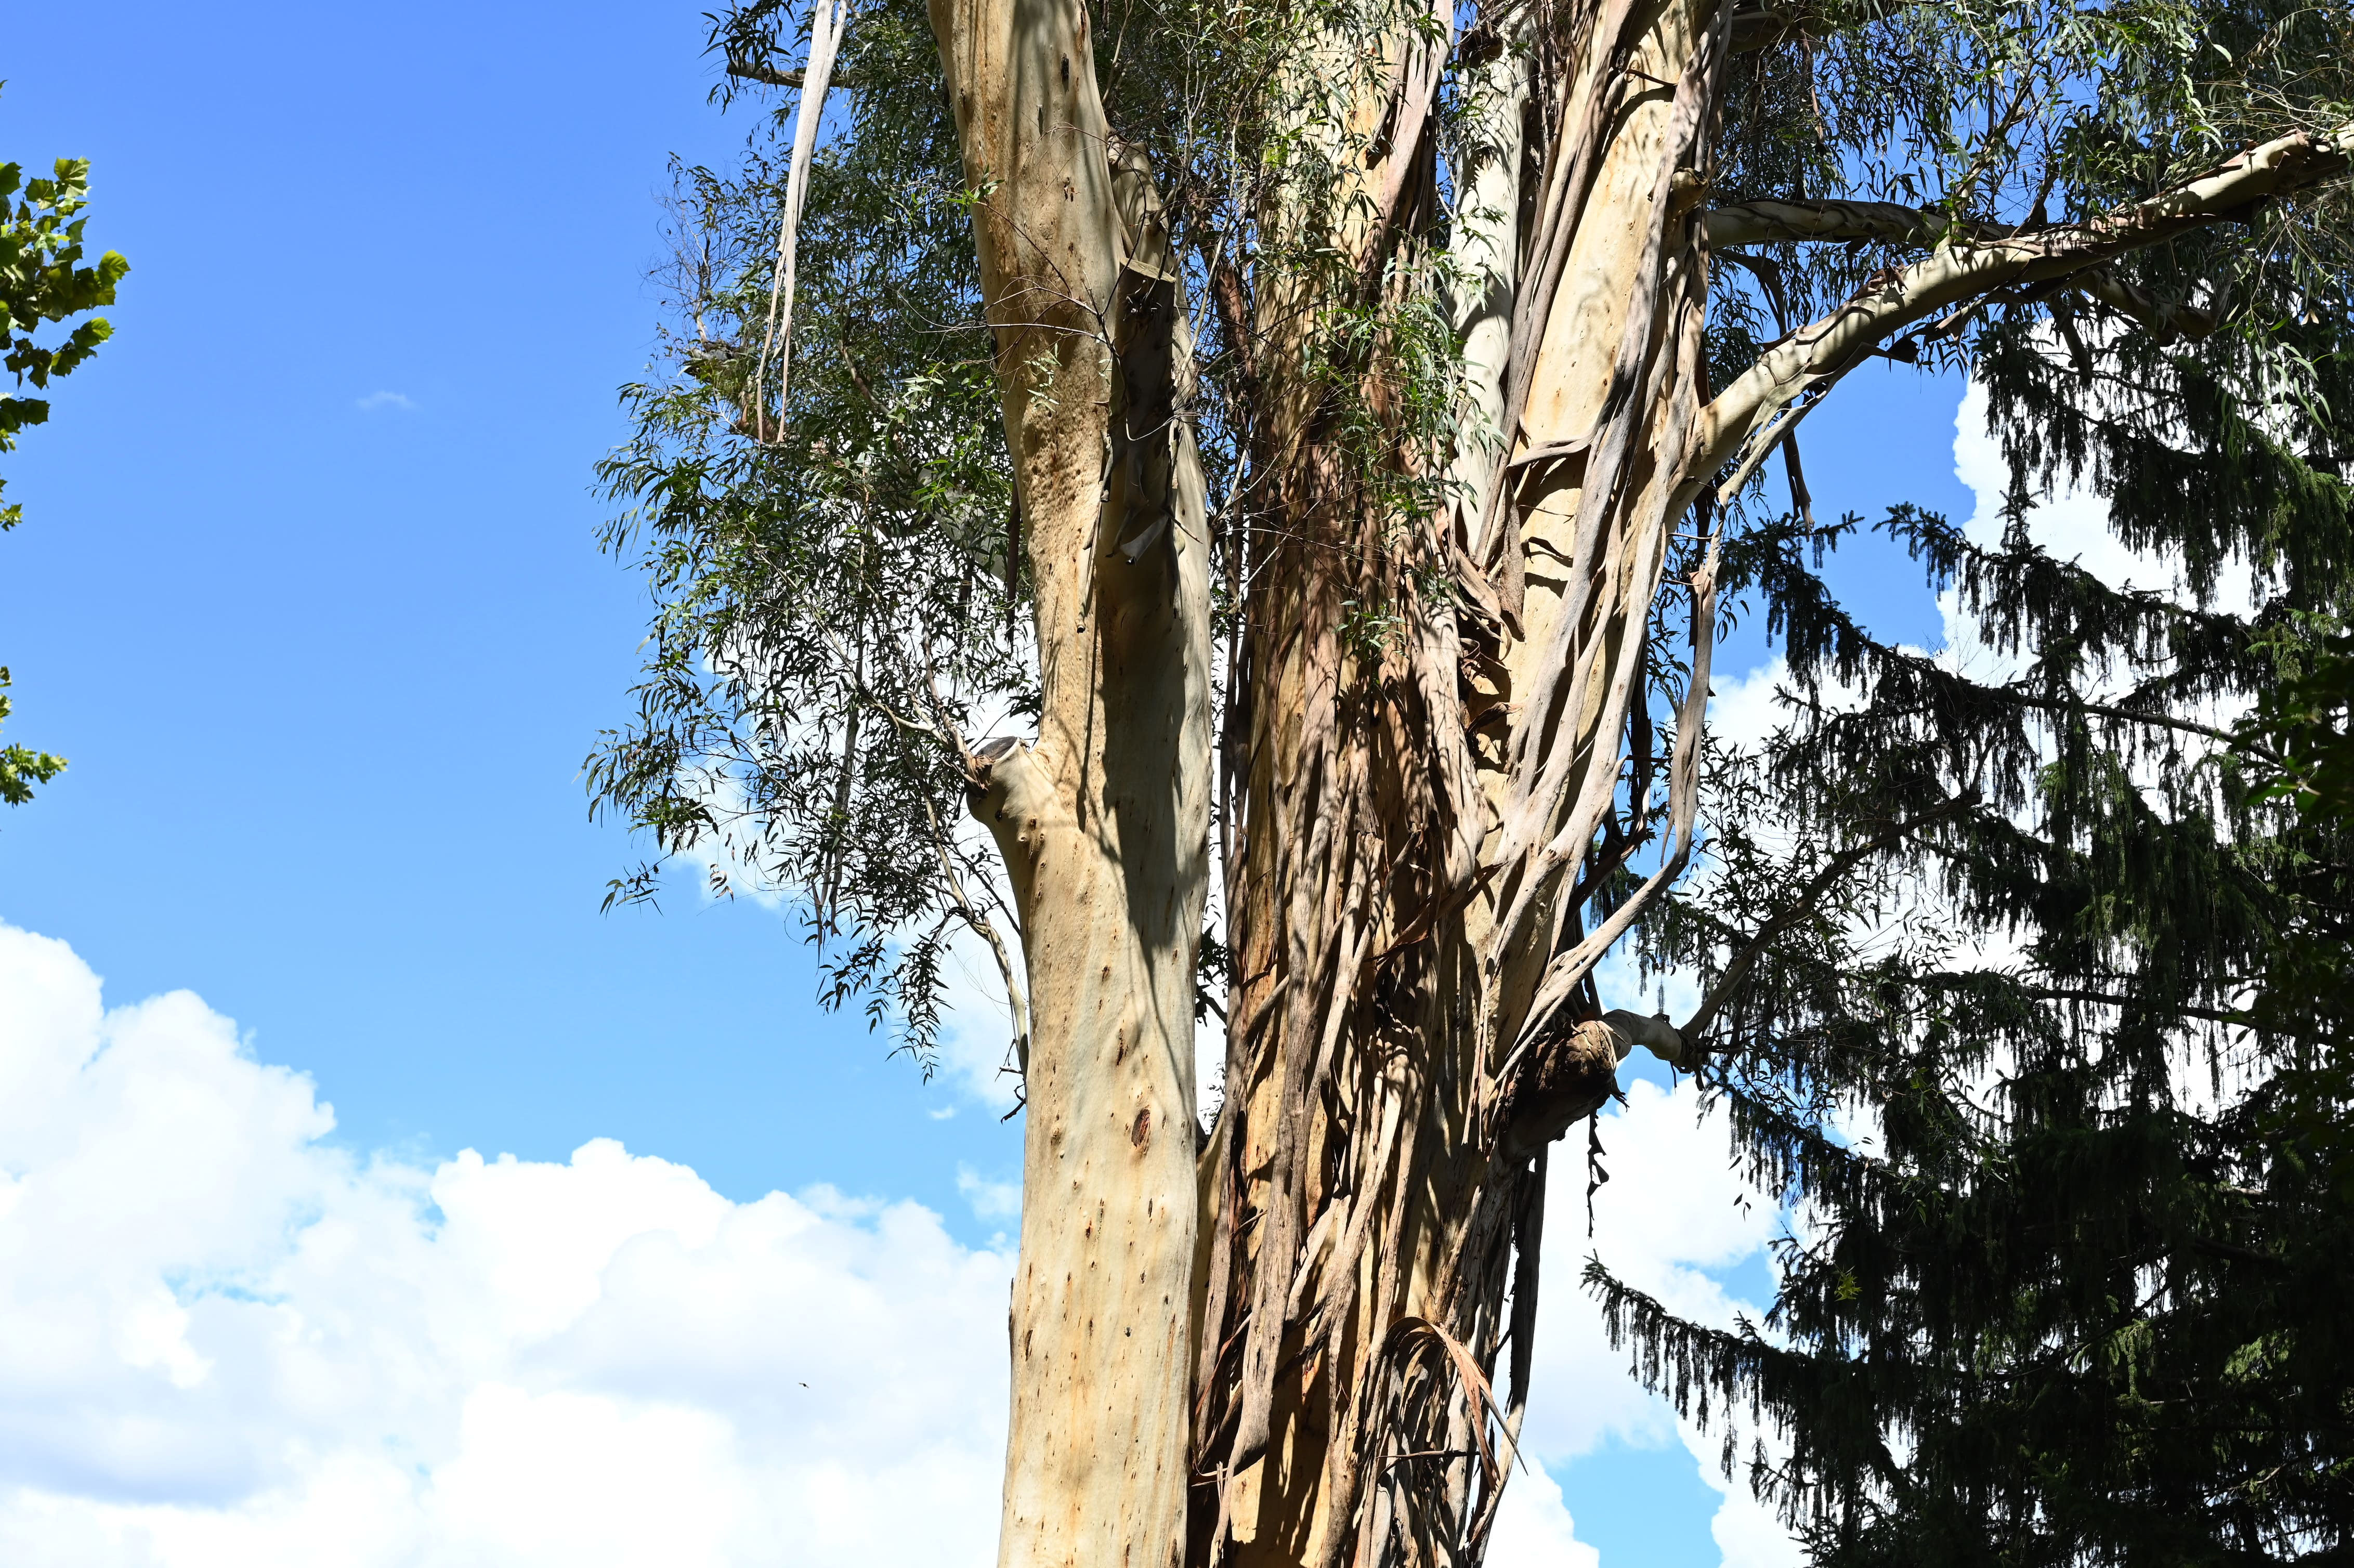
(1802, 906)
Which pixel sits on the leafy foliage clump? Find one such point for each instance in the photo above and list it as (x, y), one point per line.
(43, 280)
(831, 600)
(21, 767)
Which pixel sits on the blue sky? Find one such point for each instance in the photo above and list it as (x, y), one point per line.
(308, 592)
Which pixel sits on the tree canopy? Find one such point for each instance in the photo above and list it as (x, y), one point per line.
(2056, 1086)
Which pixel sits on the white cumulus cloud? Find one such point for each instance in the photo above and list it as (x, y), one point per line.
(1673, 1216)
(225, 1341)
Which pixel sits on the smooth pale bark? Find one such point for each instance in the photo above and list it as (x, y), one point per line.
(1104, 818)
(1571, 381)
(1765, 403)
(1487, 218)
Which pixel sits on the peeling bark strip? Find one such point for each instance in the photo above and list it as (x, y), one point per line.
(1395, 1070)
(1289, 1356)
(777, 341)
(1103, 821)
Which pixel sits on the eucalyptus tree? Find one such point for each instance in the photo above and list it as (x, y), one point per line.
(1284, 461)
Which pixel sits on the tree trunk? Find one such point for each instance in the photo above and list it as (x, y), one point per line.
(1413, 1020)
(1103, 821)
(1374, 1172)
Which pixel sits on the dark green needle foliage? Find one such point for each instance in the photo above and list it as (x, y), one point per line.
(2046, 1040)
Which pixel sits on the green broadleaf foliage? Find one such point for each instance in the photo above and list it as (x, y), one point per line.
(821, 595)
(43, 280)
(21, 767)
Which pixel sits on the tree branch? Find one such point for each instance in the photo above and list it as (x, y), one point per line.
(980, 926)
(1788, 222)
(2244, 1019)
(1781, 222)
(1971, 267)
(2129, 715)
(2140, 1004)
(1802, 905)
(2080, 707)
(749, 71)
(752, 70)
(2168, 319)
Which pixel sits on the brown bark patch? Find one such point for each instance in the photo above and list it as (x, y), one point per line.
(1565, 1079)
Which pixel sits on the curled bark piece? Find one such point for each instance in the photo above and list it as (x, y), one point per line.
(1653, 1033)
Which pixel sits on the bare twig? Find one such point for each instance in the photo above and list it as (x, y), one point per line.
(980, 926)
(752, 71)
(1802, 905)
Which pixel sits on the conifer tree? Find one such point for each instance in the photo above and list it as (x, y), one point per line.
(2065, 1093)
(1275, 471)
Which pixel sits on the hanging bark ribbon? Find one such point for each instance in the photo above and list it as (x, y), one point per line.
(826, 23)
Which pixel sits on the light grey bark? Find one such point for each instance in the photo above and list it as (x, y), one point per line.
(1103, 819)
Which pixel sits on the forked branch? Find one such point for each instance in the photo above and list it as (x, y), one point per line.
(1751, 413)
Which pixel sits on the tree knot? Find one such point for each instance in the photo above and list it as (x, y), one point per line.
(1564, 1077)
